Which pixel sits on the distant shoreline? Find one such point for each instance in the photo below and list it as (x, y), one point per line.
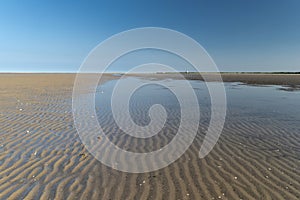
(285, 79)
(290, 79)
(153, 73)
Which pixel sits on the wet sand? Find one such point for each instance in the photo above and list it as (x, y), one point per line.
(42, 157)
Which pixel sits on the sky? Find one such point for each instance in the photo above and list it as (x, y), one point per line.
(240, 35)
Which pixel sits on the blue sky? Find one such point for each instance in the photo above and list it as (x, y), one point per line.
(240, 35)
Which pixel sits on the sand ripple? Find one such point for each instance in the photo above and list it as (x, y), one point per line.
(41, 156)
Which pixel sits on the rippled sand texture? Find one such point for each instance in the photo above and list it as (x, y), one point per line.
(41, 156)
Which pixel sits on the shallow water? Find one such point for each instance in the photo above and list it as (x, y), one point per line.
(253, 112)
(244, 101)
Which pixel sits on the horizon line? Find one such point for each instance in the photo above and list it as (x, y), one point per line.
(158, 72)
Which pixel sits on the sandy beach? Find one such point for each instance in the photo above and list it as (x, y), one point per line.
(42, 157)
